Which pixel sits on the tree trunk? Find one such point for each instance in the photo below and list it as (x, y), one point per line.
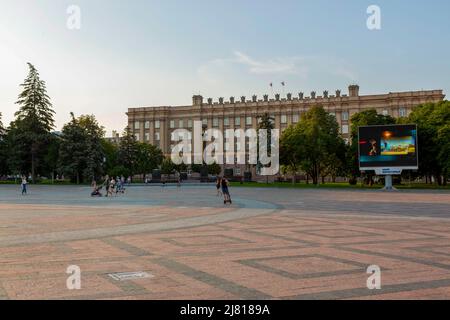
(32, 167)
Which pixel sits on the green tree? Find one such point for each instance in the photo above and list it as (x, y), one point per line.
(432, 121)
(149, 157)
(214, 169)
(443, 139)
(81, 150)
(311, 143)
(167, 166)
(34, 119)
(111, 151)
(2, 128)
(3, 151)
(129, 152)
(51, 158)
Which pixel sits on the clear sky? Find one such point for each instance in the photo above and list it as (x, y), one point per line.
(161, 52)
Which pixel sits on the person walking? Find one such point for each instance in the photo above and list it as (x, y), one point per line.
(106, 185)
(218, 186)
(24, 185)
(111, 186)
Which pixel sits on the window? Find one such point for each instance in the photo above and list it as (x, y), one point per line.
(226, 121)
(172, 124)
(147, 124)
(237, 171)
(137, 136)
(205, 122)
(402, 112)
(283, 119)
(237, 121)
(248, 121)
(385, 112)
(333, 114)
(344, 115)
(180, 124)
(295, 118)
(136, 125)
(345, 128)
(157, 136)
(157, 124)
(189, 123)
(147, 136)
(215, 122)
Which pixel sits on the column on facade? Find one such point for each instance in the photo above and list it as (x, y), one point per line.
(151, 131)
(164, 136)
(141, 131)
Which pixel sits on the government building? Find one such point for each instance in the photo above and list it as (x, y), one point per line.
(155, 125)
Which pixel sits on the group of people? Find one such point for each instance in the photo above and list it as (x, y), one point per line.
(222, 188)
(112, 185)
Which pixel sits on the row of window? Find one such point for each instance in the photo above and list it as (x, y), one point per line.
(248, 120)
(157, 135)
(226, 121)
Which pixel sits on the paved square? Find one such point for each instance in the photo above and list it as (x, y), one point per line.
(270, 244)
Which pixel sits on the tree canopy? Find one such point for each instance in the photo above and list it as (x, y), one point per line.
(314, 144)
(30, 131)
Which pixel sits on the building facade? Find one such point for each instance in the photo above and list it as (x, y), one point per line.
(155, 125)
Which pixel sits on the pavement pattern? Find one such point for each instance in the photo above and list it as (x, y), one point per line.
(269, 244)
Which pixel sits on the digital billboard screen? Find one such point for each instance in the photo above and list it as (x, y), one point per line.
(389, 146)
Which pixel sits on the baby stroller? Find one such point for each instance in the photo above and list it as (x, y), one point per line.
(96, 192)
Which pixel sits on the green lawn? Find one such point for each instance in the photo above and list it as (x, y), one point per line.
(340, 185)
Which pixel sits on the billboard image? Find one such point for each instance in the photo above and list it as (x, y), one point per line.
(388, 146)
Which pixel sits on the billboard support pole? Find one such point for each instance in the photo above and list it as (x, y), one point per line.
(388, 183)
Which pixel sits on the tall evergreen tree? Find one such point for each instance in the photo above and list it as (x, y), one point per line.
(34, 118)
(2, 128)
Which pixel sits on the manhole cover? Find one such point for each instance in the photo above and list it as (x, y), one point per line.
(124, 276)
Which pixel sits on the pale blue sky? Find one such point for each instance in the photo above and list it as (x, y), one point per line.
(139, 53)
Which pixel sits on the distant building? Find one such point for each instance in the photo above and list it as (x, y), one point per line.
(155, 124)
(115, 138)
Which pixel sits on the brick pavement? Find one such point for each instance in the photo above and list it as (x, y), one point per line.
(271, 244)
